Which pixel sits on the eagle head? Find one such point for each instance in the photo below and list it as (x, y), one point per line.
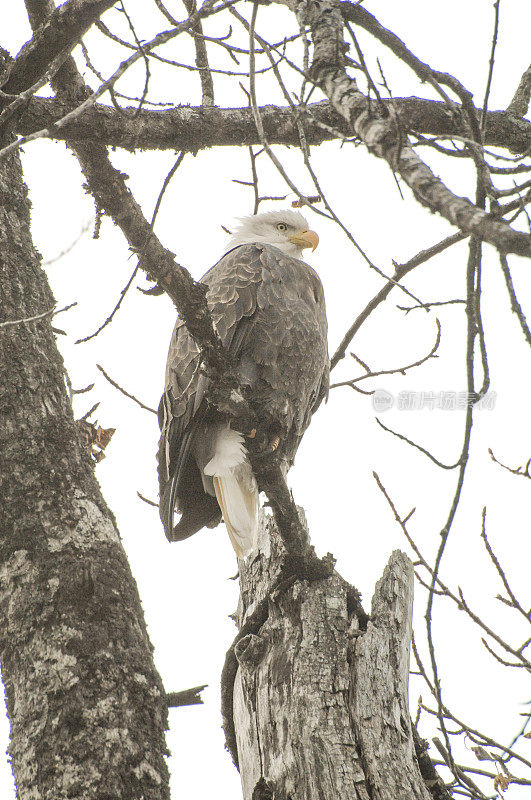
(288, 230)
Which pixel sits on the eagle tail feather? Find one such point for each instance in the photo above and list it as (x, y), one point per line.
(236, 490)
(239, 505)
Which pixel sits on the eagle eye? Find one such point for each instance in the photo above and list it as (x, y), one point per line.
(282, 227)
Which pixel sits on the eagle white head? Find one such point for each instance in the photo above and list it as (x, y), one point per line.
(287, 230)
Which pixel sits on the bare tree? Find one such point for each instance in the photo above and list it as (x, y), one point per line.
(315, 688)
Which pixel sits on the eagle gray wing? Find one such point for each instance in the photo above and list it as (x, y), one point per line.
(268, 309)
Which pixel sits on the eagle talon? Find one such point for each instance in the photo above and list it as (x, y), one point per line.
(274, 443)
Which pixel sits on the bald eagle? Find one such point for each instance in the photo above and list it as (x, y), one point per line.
(268, 308)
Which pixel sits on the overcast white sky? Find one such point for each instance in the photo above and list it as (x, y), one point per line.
(185, 587)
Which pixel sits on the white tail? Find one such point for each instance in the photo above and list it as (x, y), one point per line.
(236, 490)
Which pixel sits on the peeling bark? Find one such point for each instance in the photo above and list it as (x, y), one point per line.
(86, 704)
(319, 696)
(379, 688)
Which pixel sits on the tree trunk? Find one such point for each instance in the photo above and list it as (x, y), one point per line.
(315, 694)
(87, 707)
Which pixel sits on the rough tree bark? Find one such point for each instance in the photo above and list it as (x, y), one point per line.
(192, 128)
(87, 707)
(315, 694)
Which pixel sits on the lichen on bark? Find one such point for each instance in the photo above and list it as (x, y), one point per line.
(86, 704)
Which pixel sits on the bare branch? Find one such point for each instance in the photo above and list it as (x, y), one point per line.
(396, 370)
(474, 734)
(191, 128)
(50, 313)
(55, 39)
(140, 48)
(384, 138)
(201, 58)
(433, 304)
(187, 697)
(498, 658)
(514, 602)
(111, 316)
(491, 63)
(516, 308)
(514, 652)
(448, 760)
(418, 447)
(124, 391)
(303, 200)
(255, 109)
(360, 16)
(523, 471)
(207, 9)
(401, 270)
(146, 500)
(84, 229)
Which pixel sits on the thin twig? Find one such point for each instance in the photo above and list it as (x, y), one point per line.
(254, 105)
(419, 447)
(201, 59)
(89, 413)
(459, 774)
(397, 370)
(111, 316)
(85, 227)
(139, 265)
(516, 308)
(523, 471)
(50, 313)
(147, 500)
(124, 391)
(401, 270)
(497, 565)
(144, 57)
(475, 735)
(207, 9)
(491, 65)
(407, 309)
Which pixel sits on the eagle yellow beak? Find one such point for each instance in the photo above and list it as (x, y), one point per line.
(305, 239)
